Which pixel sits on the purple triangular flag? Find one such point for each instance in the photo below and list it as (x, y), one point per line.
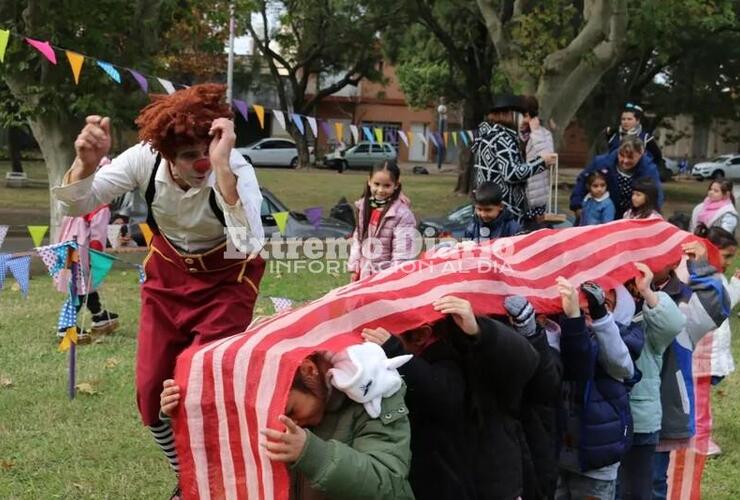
(241, 106)
(326, 128)
(313, 215)
(140, 79)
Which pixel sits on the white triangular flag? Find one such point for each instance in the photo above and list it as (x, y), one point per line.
(167, 85)
(355, 133)
(423, 138)
(403, 137)
(312, 124)
(114, 231)
(280, 117)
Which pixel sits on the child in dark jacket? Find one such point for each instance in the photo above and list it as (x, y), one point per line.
(492, 218)
(441, 462)
(499, 364)
(540, 403)
(598, 373)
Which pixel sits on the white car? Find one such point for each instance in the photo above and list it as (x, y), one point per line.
(727, 166)
(273, 152)
(361, 155)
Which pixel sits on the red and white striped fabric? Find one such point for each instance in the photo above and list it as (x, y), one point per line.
(235, 387)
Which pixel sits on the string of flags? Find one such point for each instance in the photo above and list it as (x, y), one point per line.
(337, 132)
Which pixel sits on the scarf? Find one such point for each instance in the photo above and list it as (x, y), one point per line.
(376, 203)
(710, 208)
(636, 131)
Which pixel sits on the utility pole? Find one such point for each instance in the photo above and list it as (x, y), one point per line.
(230, 66)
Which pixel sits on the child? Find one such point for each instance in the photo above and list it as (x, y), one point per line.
(385, 224)
(598, 208)
(334, 449)
(540, 402)
(662, 321)
(717, 209)
(435, 380)
(492, 217)
(498, 363)
(536, 140)
(704, 303)
(598, 352)
(90, 232)
(644, 200)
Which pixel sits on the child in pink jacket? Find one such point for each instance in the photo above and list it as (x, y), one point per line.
(386, 226)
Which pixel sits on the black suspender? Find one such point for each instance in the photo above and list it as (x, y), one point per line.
(149, 196)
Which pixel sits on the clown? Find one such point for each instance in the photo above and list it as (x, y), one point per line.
(200, 193)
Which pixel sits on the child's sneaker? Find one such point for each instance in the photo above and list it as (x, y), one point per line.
(104, 322)
(83, 336)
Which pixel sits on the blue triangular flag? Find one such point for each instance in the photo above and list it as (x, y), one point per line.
(67, 315)
(369, 134)
(112, 72)
(20, 268)
(298, 123)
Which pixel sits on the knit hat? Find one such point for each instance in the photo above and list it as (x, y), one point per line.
(522, 313)
(365, 374)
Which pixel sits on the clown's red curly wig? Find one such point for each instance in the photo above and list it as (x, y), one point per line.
(183, 118)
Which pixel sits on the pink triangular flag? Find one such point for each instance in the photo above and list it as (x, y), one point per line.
(140, 79)
(45, 48)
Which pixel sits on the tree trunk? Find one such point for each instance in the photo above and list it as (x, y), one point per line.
(301, 143)
(56, 141)
(473, 110)
(15, 135)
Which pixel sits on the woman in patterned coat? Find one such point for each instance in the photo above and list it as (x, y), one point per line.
(497, 156)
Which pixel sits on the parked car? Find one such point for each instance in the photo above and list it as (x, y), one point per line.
(276, 152)
(361, 155)
(671, 165)
(722, 166)
(454, 223)
(298, 225)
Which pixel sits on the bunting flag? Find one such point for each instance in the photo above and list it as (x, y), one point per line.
(75, 62)
(298, 123)
(3, 267)
(471, 135)
(67, 314)
(20, 268)
(326, 128)
(167, 85)
(140, 79)
(280, 117)
(423, 138)
(4, 35)
(433, 138)
(146, 231)
(260, 111)
(55, 256)
(410, 138)
(464, 137)
(368, 134)
(3, 234)
(37, 234)
(45, 48)
(446, 136)
(339, 131)
(313, 215)
(454, 138)
(100, 266)
(233, 388)
(114, 232)
(312, 123)
(110, 71)
(378, 135)
(403, 137)
(281, 219)
(70, 337)
(355, 133)
(241, 107)
(281, 304)
(142, 274)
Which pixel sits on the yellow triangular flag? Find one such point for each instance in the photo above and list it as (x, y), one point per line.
(410, 137)
(339, 130)
(75, 60)
(37, 234)
(379, 135)
(454, 138)
(281, 219)
(446, 136)
(147, 232)
(260, 110)
(70, 337)
(4, 34)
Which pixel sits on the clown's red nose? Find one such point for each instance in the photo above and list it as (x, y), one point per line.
(202, 166)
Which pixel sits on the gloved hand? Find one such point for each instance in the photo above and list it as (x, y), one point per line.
(522, 314)
(596, 300)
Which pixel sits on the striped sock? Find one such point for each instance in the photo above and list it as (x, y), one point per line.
(165, 439)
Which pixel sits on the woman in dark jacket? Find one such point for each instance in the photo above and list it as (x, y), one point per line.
(497, 156)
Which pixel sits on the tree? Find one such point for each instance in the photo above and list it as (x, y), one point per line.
(334, 42)
(12, 118)
(57, 106)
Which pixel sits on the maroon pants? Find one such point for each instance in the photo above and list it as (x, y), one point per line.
(187, 299)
